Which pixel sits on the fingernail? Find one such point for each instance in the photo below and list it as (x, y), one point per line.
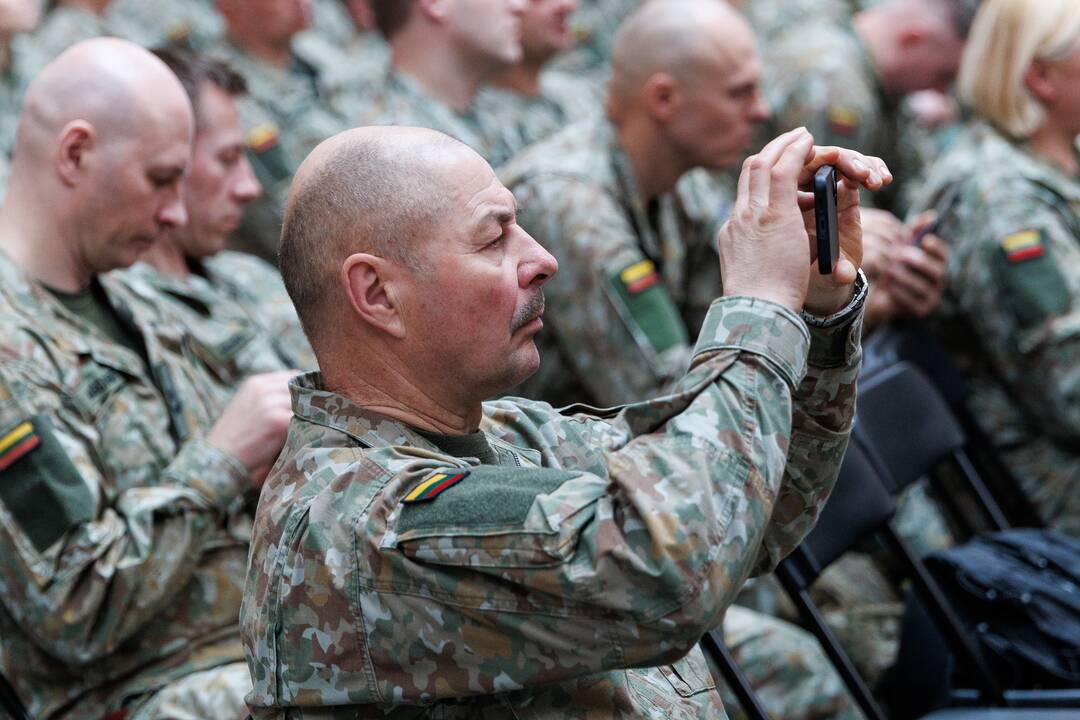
(858, 165)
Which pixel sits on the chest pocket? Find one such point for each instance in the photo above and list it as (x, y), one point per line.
(221, 349)
(690, 675)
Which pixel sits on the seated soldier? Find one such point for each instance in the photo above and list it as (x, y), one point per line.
(125, 468)
(232, 302)
(440, 55)
(420, 551)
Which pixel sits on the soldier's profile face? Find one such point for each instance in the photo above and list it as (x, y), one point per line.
(490, 29)
(279, 19)
(474, 313)
(545, 27)
(720, 113)
(221, 181)
(134, 194)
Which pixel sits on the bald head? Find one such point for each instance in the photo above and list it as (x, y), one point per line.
(682, 38)
(111, 85)
(377, 190)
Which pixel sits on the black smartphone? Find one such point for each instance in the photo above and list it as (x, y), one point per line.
(828, 238)
(928, 229)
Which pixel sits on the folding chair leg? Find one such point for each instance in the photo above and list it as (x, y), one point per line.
(717, 652)
(831, 645)
(10, 703)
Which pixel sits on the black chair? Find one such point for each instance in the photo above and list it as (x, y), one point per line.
(861, 506)
(913, 343)
(914, 434)
(10, 702)
(725, 669)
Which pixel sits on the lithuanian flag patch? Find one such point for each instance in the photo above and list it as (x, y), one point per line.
(436, 485)
(843, 120)
(17, 444)
(1022, 246)
(263, 137)
(639, 277)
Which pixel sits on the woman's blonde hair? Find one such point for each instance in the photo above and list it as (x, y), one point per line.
(1006, 37)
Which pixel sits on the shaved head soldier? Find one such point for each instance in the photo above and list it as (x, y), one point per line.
(124, 464)
(418, 550)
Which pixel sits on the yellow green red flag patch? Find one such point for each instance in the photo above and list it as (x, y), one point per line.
(435, 485)
(843, 120)
(17, 444)
(263, 137)
(1023, 246)
(640, 276)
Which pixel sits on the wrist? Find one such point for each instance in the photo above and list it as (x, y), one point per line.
(857, 293)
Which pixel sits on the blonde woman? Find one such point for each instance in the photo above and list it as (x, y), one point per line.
(1009, 198)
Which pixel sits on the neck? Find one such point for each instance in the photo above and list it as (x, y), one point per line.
(388, 390)
(166, 257)
(522, 78)
(656, 165)
(45, 251)
(439, 68)
(277, 54)
(1057, 146)
(97, 7)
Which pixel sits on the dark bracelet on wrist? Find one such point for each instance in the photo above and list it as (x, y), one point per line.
(861, 287)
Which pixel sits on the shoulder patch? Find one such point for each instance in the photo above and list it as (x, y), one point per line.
(435, 485)
(646, 307)
(1032, 285)
(39, 485)
(1022, 246)
(844, 120)
(263, 137)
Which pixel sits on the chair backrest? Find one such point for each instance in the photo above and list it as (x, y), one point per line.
(860, 505)
(10, 702)
(907, 421)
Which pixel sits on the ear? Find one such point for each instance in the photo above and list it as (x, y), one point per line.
(662, 97)
(434, 10)
(77, 139)
(1040, 81)
(369, 285)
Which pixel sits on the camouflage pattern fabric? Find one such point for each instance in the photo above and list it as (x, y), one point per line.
(123, 533)
(355, 59)
(285, 114)
(238, 312)
(562, 101)
(527, 588)
(632, 287)
(774, 18)
(216, 693)
(1012, 307)
(594, 24)
(193, 24)
(401, 101)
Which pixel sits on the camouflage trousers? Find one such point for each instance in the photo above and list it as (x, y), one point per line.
(216, 694)
(786, 667)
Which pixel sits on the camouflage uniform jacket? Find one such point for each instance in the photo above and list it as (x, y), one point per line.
(402, 101)
(194, 24)
(13, 81)
(238, 310)
(1011, 313)
(285, 114)
(631, 292)
(563, 100)
(594, 24)
(563, 579)
(773, 18)
(123, 533)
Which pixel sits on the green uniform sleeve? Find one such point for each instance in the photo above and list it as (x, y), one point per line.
(85, 561)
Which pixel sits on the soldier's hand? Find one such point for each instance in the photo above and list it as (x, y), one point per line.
(253, 425)
(763, 246)
(916, 279)
(883, 236)
(830, 293)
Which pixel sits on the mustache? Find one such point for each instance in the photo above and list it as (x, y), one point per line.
(533, 308)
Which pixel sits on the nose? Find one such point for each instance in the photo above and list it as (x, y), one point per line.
(246, 186)
(517, 7)
(173, 213)
(537, 265)
(761, 110)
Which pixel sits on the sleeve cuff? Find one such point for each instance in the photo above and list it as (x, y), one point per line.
(757, 326)
(213, 473)
(835, 341)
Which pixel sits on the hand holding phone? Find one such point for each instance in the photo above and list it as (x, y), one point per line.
(828, 237)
